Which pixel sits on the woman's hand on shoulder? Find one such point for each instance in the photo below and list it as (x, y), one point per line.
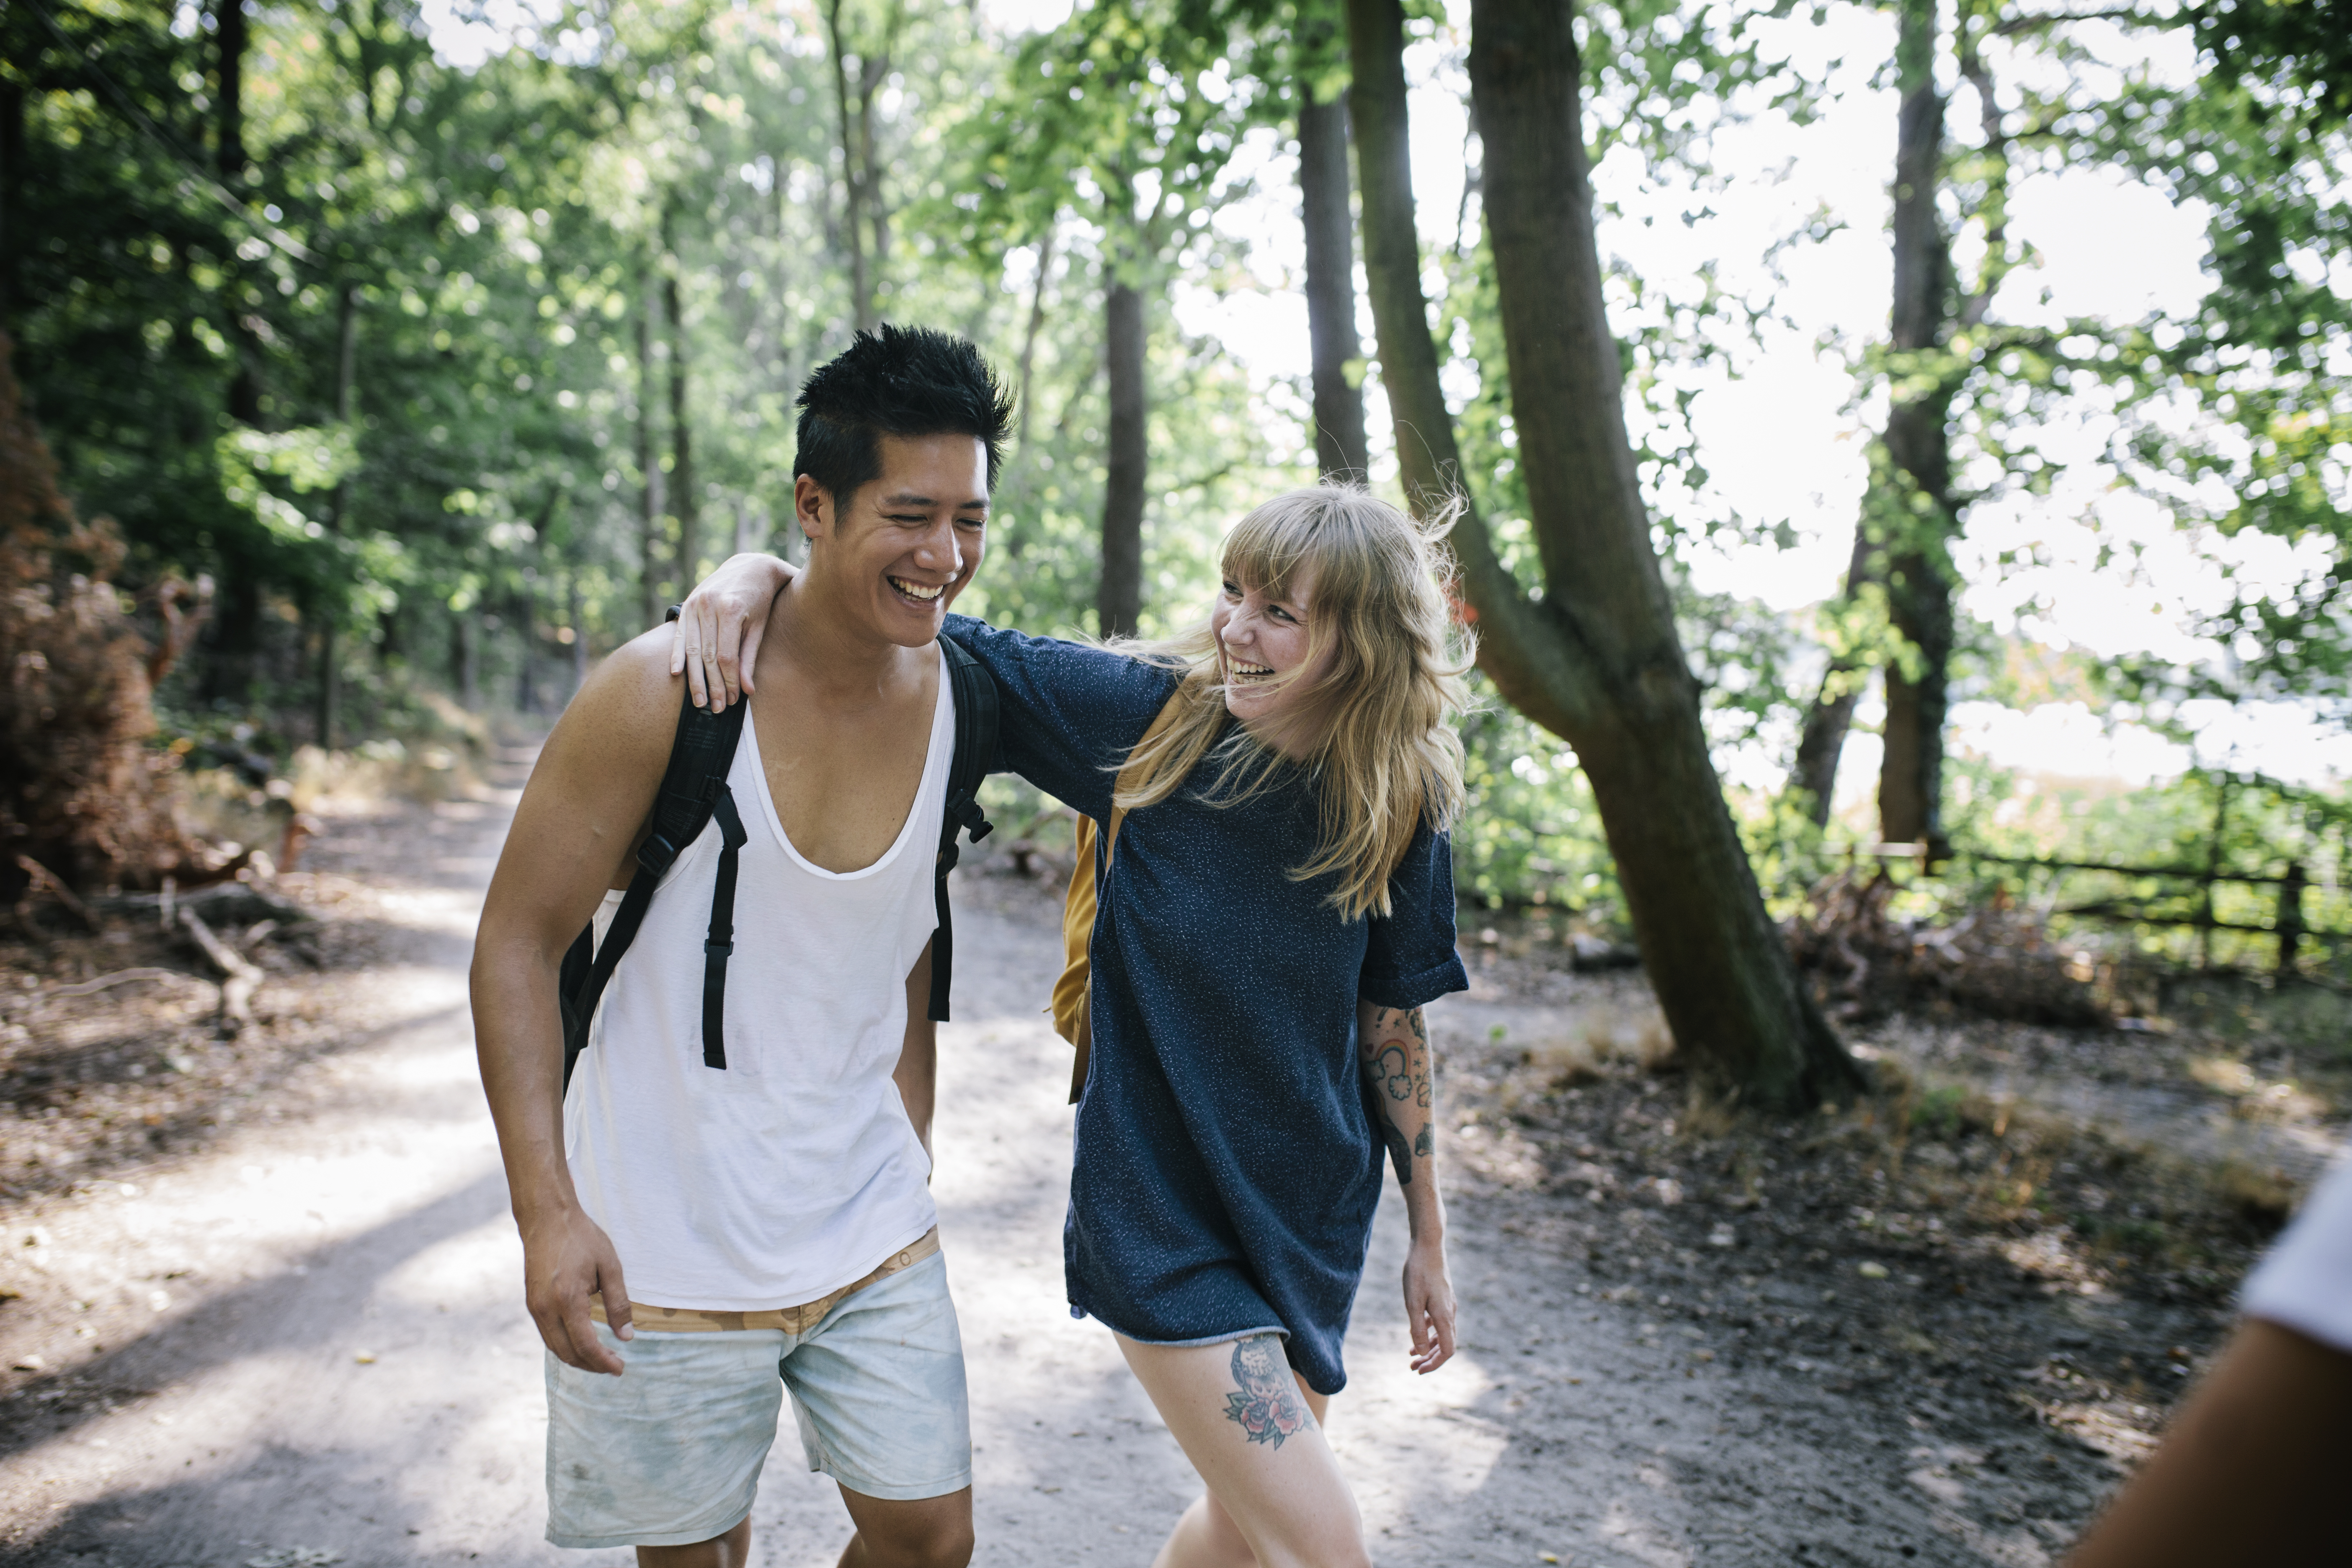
(1428, 1308)
(714, 641)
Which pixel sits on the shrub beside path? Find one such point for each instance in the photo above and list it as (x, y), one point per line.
(307, 1342)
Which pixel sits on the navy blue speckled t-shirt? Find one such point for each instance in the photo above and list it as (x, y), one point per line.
(1227, 1165)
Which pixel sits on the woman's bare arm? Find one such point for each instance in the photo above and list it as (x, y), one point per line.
(1393, 1047)
(714, 641)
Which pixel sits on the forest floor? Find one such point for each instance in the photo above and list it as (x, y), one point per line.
(259, 1302)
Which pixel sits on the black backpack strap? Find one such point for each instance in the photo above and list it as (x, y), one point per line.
(700, 757)
(974, 694)
(720, 947)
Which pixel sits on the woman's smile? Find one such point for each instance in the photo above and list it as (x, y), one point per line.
(1265, 646)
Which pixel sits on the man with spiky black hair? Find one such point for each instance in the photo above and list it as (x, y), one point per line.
(763, 1187)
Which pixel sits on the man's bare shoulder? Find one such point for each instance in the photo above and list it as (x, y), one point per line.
(626, 716)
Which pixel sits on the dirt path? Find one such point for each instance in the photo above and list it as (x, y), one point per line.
(307, 1344)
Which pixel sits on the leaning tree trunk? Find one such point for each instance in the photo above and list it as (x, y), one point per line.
(1918, 445)
(1120, 601)
(1339, 446)
(1596, 659)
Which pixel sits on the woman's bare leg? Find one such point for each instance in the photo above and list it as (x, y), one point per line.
(1276, 1496)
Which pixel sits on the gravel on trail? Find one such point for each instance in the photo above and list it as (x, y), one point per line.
(300, 1339)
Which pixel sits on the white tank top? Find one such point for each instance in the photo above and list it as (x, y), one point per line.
(793, 1171)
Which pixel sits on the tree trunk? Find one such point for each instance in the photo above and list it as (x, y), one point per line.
(1339, 446)
(685, 498)
(12, 177)
(229, 40)
(1120, 601)
(650, 513)
(469, 657)
(575, 611)
(853, 176)
(1822, 742)
(1596, 659)
(1037, 325)
(1918, 444)
(347, 348)
(228, 149)
(527, 667)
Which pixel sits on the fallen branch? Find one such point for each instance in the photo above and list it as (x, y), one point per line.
(46, 882)
(240, 979)
(120, 977)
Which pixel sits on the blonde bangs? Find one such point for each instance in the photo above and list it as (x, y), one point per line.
(1387, 759)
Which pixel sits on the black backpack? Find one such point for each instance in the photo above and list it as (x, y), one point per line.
(693, 790)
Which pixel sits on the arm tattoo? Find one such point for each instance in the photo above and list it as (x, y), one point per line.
(1268, 1407)
(1399, 1150)
(1398, 1067)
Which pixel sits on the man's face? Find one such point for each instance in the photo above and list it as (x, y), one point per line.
(908, 539)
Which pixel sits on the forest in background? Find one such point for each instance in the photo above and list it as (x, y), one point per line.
(423, 384)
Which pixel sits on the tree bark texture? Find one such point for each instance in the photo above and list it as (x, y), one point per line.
(1918, 445)
(1339, 445)
(1596, 659)
(1118, 602)
(686, 501)
(649, 512)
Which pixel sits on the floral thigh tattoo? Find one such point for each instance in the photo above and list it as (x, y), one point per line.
(1268, 1405)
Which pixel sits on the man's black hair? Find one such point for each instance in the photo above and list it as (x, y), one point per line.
(899, 380)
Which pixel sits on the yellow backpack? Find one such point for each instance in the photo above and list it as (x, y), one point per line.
(1073, 992)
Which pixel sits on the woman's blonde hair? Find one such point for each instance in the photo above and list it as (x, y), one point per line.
(1386, 757)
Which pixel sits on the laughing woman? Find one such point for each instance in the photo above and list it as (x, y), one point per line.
(1278, 912)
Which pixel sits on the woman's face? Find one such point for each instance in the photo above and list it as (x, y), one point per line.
(1263, 639)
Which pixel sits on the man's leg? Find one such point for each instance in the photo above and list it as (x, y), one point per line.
(666, 1456)
(928, 1532)
(733, 1550)
(1276, 1496)
(879, 1391)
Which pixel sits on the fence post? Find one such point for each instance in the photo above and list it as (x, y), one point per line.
(2290, 917)
(2212, 865)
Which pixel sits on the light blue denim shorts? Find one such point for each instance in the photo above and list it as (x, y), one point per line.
(670, 1452)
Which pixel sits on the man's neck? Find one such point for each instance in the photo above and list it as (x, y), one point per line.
(836, 659)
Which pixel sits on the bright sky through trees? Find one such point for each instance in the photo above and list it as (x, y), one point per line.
(2092, 567)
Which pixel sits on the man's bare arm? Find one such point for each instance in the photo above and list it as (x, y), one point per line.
(1393, 1047)
(573, 834)
(2249, 1468)
(917, 1074)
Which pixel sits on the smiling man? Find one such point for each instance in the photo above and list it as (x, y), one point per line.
(729, 1197)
